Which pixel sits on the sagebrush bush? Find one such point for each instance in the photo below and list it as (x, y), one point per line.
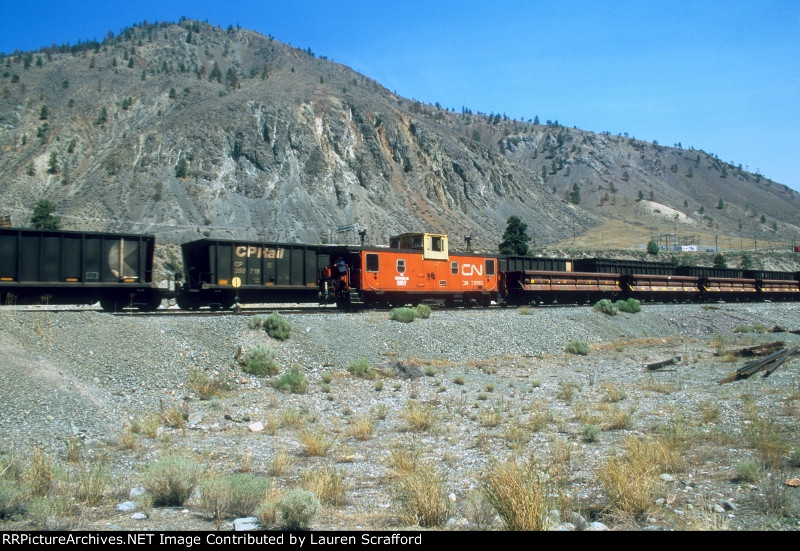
(579, 348)
(362, 367)
(298, 509)
(171, 480)
(260, 361)
(246, 492)
(405, 315)
(423, 311)
(630, 306)
(277, 326)
(293, 381)
(256, 322)
(606, 306)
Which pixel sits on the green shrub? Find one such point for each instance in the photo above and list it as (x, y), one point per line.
(256, 322)
(12, 499)
(748, 471)
(246, 493)
(580, 348)
(277, 326)
(630, 306)
(298, 509)
(590, 433)
(171, 480)
(606, 306)
(423, 311)
(293, 381)
(405, 315)
(362, 367)
(260, 361)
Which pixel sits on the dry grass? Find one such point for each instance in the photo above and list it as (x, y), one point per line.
(361, 428)
(280, 463)
(418, 417)
(420, 498)
(631, 480)
(316, 443)
(207, 386)
(327, 484)
(616, 418)
(519, 495)
(403, 460)
(613, 393)
(766, 436)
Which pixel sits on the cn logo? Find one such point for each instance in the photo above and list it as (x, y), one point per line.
(471, 269)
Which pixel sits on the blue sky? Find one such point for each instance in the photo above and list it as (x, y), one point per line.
(723, 76)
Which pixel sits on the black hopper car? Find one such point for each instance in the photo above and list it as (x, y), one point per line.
(67, 267)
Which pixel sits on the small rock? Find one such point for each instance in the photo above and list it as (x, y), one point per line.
(729, 506)
(138, 516)
(666, 477)
(136, 491)
(246, 523)
(126, 506)
(565, 527)
(597, 527)
(256, 427)
(452, 497)
(195, 418)
(718, 508)
(578, 521)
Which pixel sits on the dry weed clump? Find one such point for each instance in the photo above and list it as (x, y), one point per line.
(316, 443)
(418, 417)
(207, 386)
(519, 494)
(766, 436)
(420, 497)
(404, 460)
(327, 484)
(631, 480)
(362, 428)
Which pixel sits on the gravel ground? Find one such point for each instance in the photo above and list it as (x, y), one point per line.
(81, 375)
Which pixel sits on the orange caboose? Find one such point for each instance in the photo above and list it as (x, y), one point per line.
(417, 267)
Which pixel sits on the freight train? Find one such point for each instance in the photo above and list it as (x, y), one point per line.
(116, 270)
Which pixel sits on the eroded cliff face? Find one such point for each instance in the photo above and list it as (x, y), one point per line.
(230, 133)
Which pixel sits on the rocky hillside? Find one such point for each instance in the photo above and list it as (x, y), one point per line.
(187, 129)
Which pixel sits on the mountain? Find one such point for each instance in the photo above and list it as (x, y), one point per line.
(187, 129)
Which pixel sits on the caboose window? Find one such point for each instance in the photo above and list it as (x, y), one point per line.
(436, 244)
(454, 268)
(490, 267)
(401, 265)
(372, 262)
(416, 242)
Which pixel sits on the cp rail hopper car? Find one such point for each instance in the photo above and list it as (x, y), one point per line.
(217, 272)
